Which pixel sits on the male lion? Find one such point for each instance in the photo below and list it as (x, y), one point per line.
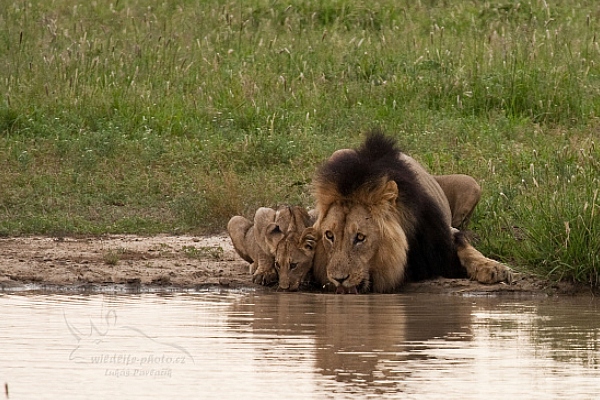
(384, 220)
(257, 242)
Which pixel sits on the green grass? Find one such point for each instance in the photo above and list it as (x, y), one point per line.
(145, 117)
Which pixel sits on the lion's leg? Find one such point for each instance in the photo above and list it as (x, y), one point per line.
(463, 193)
(265, 273)
(238, 228)
(479, 267)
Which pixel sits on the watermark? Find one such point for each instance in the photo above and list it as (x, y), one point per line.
(139, 373)
(124, 351)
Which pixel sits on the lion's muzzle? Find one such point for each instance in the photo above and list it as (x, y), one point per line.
(344, 290)
(343, 284)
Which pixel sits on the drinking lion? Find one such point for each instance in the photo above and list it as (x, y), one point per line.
(383, 220)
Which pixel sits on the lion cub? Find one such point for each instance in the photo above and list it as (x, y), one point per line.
(257, 242)
(294, 255)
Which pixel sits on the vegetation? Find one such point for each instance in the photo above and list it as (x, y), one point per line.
(137, 116)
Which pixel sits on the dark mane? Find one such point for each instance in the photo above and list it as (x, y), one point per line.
(431, 250)
(377, 156)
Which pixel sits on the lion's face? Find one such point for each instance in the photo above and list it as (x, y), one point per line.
(350, 238)
(364, 243)
(294, 258)
(292, 243)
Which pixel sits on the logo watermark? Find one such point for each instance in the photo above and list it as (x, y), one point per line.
(125, 351)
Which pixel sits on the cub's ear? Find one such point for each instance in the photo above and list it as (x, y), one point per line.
(264, 214)
(273, 236)
(389, 192)
(314, 215)
(309, 238)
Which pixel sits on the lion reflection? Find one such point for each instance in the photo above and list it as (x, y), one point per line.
(361, 340)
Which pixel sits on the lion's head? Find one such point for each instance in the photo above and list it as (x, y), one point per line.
(363, 238)
(294, 255)
(291, 240)
(380, 218)
(362, 221)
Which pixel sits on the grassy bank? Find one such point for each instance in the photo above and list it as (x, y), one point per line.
(144, 117)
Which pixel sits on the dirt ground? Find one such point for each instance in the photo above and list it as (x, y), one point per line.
(178, 263)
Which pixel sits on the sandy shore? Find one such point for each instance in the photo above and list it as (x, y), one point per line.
(177, 263)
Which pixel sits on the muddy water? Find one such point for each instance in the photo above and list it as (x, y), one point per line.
(232, 345)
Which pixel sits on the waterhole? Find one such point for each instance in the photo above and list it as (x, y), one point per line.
(250, 345)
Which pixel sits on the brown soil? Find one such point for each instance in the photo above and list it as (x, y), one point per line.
(177, 263)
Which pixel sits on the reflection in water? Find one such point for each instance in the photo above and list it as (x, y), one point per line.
(297, 345)
(361, 340)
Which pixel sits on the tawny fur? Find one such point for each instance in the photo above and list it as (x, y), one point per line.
(294, 255)
(463, 193)
(256, 242)
(248, 239)
(364, 226)
(479, 267)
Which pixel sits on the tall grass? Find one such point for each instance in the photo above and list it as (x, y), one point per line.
(559, 213)
(145, 117)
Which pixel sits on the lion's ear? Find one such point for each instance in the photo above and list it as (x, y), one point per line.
(262, 218)
(273, 236)
(309, 238)
(389, 192)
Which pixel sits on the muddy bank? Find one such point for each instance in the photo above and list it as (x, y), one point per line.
(163, 263)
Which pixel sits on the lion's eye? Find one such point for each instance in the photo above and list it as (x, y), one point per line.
(293, 265)
(329, 235)
(359, 238)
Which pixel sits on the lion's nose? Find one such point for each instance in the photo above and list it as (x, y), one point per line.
(339, 280)
(284, 285)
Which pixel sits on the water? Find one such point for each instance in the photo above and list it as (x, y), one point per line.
(232, 345)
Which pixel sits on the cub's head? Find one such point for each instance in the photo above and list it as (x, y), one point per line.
(291, 219)
(293, 255)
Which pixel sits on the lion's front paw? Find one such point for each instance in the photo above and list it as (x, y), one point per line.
(265, 276)
(492, 272)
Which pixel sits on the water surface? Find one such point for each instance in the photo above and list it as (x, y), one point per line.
(232, 345)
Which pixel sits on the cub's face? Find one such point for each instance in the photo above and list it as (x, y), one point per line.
(294, 259)
(350, 237)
